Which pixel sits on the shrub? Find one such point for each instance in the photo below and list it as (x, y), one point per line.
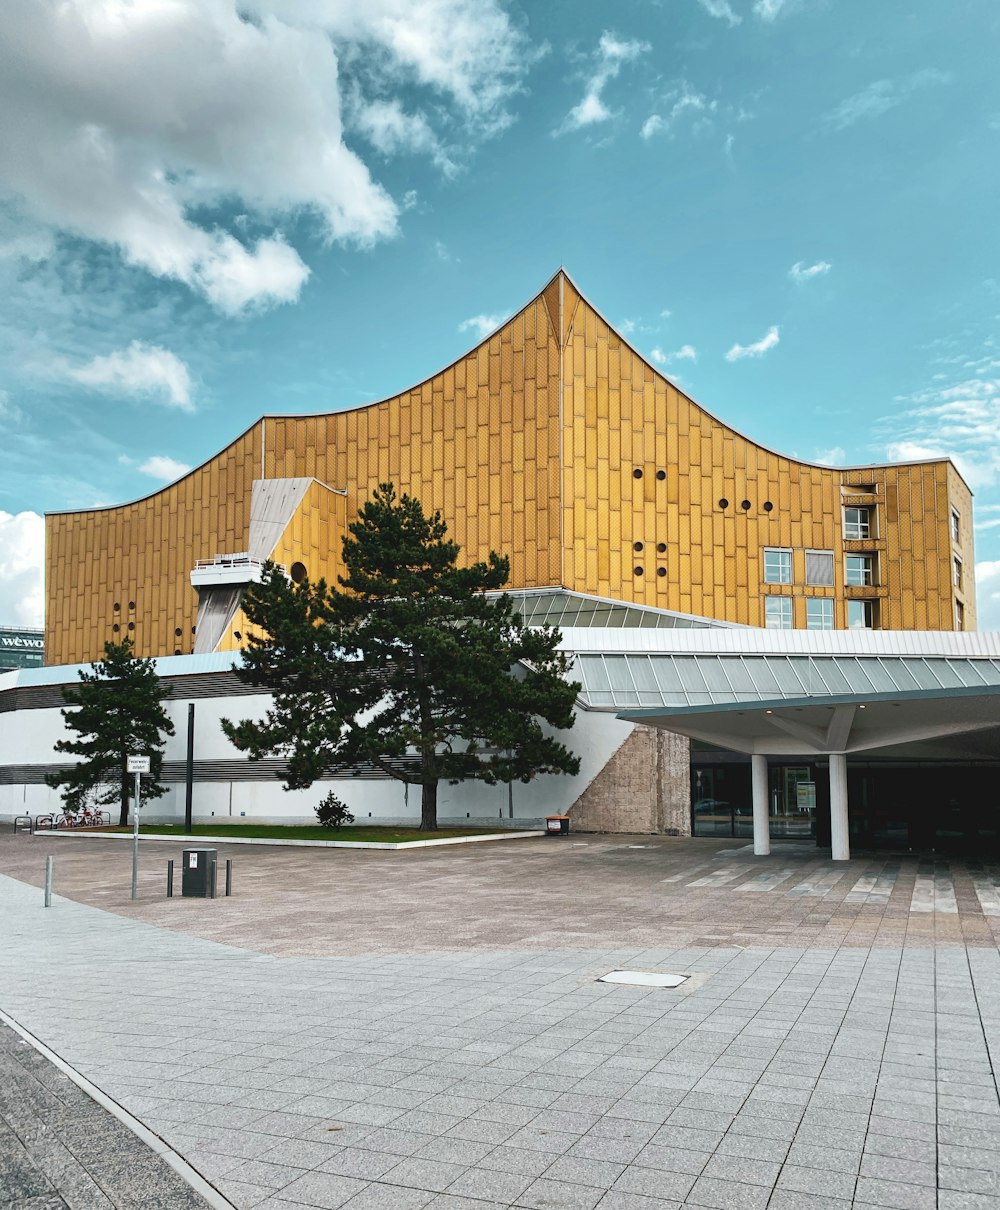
(332, 813)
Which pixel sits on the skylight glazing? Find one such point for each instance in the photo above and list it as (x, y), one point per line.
(569, 609)
(617, 682)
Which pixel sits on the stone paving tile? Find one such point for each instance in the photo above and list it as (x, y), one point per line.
(545, 1194)
(727, 1195)
(514, 1066)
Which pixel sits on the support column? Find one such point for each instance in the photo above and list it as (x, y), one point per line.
(840, 842)
(761, 824)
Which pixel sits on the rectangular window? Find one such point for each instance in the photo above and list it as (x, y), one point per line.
(819, 615)
(777, 567)
(857, 523)
(860, 570)
(956, 524)
(860, 615)
(778, 613)
(959, 616)
(819, 567)
(956, 573)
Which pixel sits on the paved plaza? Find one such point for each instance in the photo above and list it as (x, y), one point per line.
(426, 1029)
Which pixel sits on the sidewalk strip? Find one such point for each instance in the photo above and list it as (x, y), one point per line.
(153, 1141)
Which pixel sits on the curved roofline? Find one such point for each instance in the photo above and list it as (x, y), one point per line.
(473, 349)
(863, 466)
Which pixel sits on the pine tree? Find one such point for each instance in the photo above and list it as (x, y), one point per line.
(408, 666)
(117, 712)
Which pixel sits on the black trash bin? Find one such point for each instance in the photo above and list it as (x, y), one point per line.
(198, 870)
(557, 825)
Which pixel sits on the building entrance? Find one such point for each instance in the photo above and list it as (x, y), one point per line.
(919, 806)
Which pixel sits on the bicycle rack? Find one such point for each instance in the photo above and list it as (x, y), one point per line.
(24, 819)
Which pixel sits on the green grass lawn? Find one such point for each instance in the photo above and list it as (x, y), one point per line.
(354, 834)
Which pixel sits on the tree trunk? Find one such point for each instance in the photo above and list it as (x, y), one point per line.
(429, 807)
(123, 817)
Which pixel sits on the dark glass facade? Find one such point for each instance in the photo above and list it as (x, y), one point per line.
(918, 806)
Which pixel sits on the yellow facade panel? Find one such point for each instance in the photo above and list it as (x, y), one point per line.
(528, 442)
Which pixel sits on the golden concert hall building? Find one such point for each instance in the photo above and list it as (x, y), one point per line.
(556, 443)
(765, 647)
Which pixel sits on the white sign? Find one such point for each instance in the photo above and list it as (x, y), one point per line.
(192, 861)
(137, 764)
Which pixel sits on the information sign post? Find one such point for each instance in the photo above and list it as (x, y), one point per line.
(137, 765)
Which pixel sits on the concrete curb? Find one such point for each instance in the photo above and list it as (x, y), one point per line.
(153, 1141)
(200, 841)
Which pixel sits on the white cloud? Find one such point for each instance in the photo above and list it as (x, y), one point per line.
(913, 451)
(627, 327)
(955, 418)
(684, 353)
(126, 122)
(882, 96)
(682, 99)
(769, 10)
(482, 325)
(163, 468)
(800, 272)
(28, 246)
(141, 369)
(834, 456)
(721, 9)
(988, 595)
(22, 569)
(757, 349)
(612, 52)
(390, 130)
(9, 411)
(665, 314)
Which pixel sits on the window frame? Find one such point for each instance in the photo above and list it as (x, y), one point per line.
(828, 619)
(831, 555)
(955, 525)
(867, 609)
(957, 572)
(786, 553)
(868, 570)
(787, 611)
(865, 529)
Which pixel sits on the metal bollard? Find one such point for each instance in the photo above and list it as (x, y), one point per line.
(49, 864)
(229, 876)
(211, 879)
(170, 879)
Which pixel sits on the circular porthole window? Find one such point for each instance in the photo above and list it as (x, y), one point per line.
(117, 606)
(661, 474)
(116, 628)
(131, 625)
(298, 572)
(661, 571)
(637, 546)
(131, 604)
(178, 632)
(661, 547)
(637, 473)
(177, 651)
(638, 571)
(768, 506)
(723, 503)
(745, 505)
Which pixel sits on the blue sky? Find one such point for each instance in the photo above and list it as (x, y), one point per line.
(790, 206)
